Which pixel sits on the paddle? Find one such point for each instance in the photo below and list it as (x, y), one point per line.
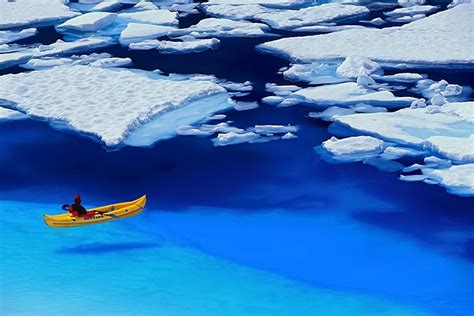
(65, 207)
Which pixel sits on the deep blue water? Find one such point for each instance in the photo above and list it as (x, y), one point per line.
(275, 206)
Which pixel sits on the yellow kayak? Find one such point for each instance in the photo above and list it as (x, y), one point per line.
(105, 214)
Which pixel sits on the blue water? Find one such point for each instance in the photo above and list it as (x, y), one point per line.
(253, 229)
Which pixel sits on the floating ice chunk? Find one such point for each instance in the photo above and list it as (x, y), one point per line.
(327, 28)
(439, 39)
(412, 10)
(81, 45)
(420, 125)
(207, 130)
(13, 59)
(289, 135)
(410, 3)
(354, 66)
(375, 21)
(266, 3)
(10, 115)
(275, 129)
(433, 161)
(352, 148)
(48, 62)
(112, 62)
(367, 108)
(291, 19)
(20, 13)
(89, 22)
(101, 6)
(160, 17)
(438, 99)
(272, 100)
(217, 117)
(233, 138)
(455, 148)
(414, 177)
(392, 153)
(143, 6)
(406, 18)
(145, 45)
(349, 93)
(13, 36)
(235, 12)
(195, 46)
(282, 90)
(87, 99)
(213, 27)
(329, 113)
(404, 77)
(245, 106)
(236, 86)
(137, 32)
(366, 81)
(442, 91)
(314, 73)
(419, 103)
(457, 180)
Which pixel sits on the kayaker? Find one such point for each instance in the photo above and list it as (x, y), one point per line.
(76, 209)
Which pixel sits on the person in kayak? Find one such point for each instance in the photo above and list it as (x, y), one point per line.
(78, 210)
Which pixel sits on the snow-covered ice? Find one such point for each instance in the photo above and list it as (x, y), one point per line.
(81, 45)
(101, 6)
(458, 149)
(275, 129)
(354, 66)
(349, 93)
(138, 32)
(88, 99)
(21, 13)
(353, 148)
(267, 3)
(235, 12)
(13, 36)
(214, 27)
(440, 39)
(291, 19)
(175, 47)
(15, 58)
(160, 17)
(457, 179)
(89, 22)
(329, 113)
(412, 10)
(9, 115)
(233, 138)
(245, 106)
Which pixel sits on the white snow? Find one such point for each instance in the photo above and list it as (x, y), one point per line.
(235, 12)
(89, 22)
(94, 60)
(245, 106)
(392, 153)
(353, 148)
(172, 47)
(137, 32)
(207, 129)
(291, 19)
(81, 45)
(349, 93)
(440, 39)
(314, 73)
(275, 129)
(354, 66)
(267, 3)
(419, 126)
(104, 102)
(329, 113)
(10, 115)
(15, 58)
(214, 27)
(160, 17)
(403, 77)
(281, 90)
(232, 138)
(21, 13)
(455, 148)
(456, 179)
(413, 10)
(13, 36)
(102, 6)
(289, 135)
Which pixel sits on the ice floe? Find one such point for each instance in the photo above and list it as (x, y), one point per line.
(348, 93)
(21, 13)
(354, 148)
(233, 138)
(81, 45)
(160, 17)
(89, 22)
(235, 12)
(412, 10)
(291, 19)
(106, 103)
(267, 3)
(10, 115)
(138, 32)
(175, 47)
(354, 66)
(245, 106)
(13, 36)
(96, 6)
(457, 179)
(442, 91)
(439, 39)
(214, 27)
(207, 129)
(15, 58)
(329, 113)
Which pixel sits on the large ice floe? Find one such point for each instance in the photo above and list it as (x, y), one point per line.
(445, 131)
(442, 38)
(110, 104)
(21, 13)
(214, 27)
(89, 22)
(292, 19)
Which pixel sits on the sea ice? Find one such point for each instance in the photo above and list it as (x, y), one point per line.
(89, 22)
(101, 6)
(160, 17)
(354, 66)
(10, 115)
(232, 138)
(353, 148)
(21, 13)
(458, 179)
(138, 32)
(245, 106)
(15, 58)
(349, 93)
(214, 27)
(392, 153)
(207, 129)
(81, 45)
(86, 99)
(412, 10)
(235, 12)
(267, 3)
(440, 39)
(291, 19)
(172, 47)
(13, 36)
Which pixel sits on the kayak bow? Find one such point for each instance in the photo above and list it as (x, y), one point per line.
(105, 213)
